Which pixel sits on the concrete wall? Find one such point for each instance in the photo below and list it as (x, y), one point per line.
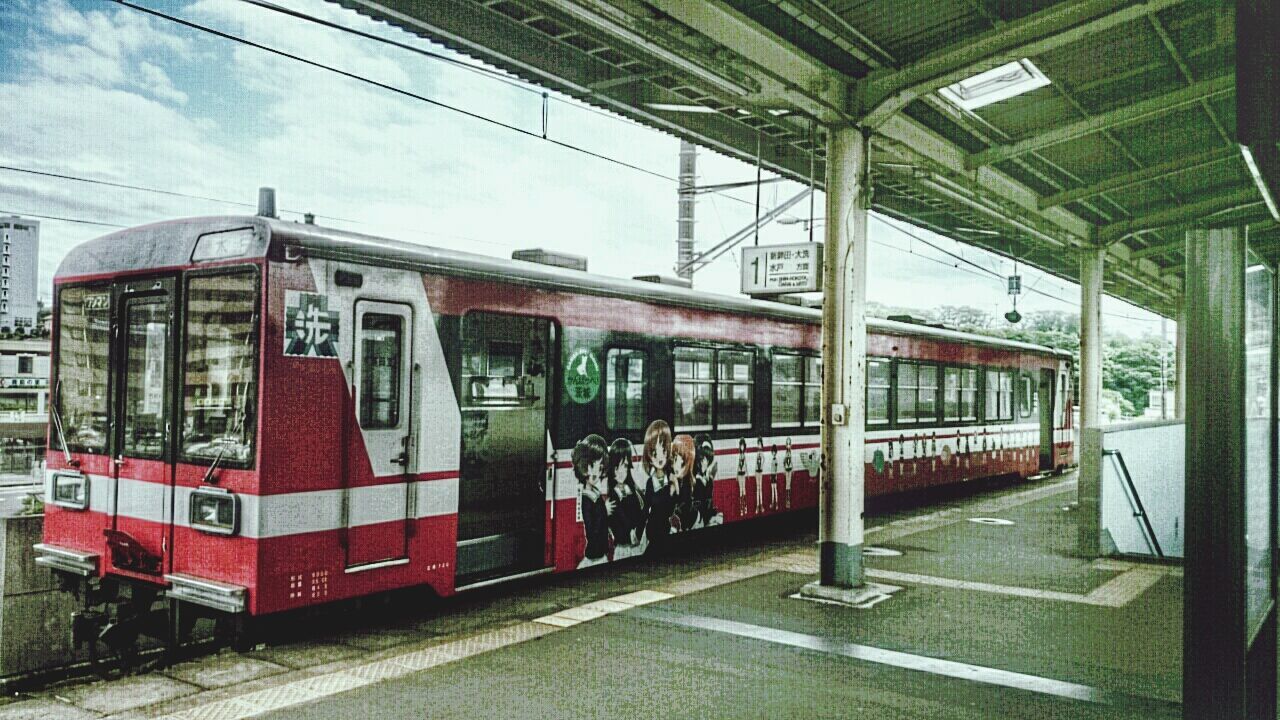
(1154, 452)
(35, 618)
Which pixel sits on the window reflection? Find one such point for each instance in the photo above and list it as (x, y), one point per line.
(220, 385)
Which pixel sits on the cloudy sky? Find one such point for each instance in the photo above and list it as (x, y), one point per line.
(95, 90)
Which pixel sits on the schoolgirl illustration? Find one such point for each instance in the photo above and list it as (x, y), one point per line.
(759, 474)
(627, 521)
(705, 469)
(588, 466)
(742, 477)
(774, 479)
(660, 491)
(683, 458)
(787, 467)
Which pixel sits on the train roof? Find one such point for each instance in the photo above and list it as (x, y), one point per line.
(170, 244)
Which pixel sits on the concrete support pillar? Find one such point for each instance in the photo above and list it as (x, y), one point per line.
(1092, 262)
(844, 354)
(1180, 364)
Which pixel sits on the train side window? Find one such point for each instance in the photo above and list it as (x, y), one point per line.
(694, 383)
(878, 388)
(380, 347)
(1006, 395)
(968, 394)
(927, 400)
(788, 384)
(1028, 397)
(992, 410)
(908, 388)
(624, 390)
(951, 393)
(734, 378)
(812, 390)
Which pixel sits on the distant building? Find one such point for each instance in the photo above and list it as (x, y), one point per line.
(19, 269)
(24, 402)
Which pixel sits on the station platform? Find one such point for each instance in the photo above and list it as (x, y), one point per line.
(995, 618)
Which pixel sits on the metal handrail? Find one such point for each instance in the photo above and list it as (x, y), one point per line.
(1135, 502)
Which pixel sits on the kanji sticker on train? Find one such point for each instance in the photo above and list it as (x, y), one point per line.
(582, 376)
(311, 328)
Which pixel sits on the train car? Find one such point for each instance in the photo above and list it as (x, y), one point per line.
(253, 416)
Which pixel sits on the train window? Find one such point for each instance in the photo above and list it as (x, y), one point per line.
(734, 379)
(145, 407)
(624, 389)
(877, 391)
(917, 393)
(380, 358)
(968, 394)
(694, 383)
(999, 395)
(927, 401)
(908, 386)
(812, 390)
(951, 393)
(1006, 395)
(81, 391)
(788, 384)
(1028, 397)
(220, 385)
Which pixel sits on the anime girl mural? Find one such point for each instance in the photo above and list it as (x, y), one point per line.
(742, 477)
(787, 467)
(595, 507)
(759, 474)
(683, 457)
(705, 469)
(626, 524)
(774, 479)
(660, 490)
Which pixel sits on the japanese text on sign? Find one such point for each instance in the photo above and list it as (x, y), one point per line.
(776, 269)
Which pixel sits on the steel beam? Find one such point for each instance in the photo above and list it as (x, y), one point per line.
(885, 93)
(1179, 215)
(1138, 177)
(1125, 115)
(502, 41)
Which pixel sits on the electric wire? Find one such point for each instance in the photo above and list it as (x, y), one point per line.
(491, 73)
(79, 221)
(389, 88)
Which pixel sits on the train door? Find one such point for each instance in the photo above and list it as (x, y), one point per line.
(1048, 397)
(379, 514)
(143, 352)
(505, 385)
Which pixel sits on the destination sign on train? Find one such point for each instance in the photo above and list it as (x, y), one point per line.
(776, 269)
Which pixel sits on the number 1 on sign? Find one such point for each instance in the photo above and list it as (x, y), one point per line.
(755, 266)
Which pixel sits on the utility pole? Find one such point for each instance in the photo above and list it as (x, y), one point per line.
(688, 197)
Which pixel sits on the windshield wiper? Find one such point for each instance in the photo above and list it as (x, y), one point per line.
(57, 423)
(242, 412)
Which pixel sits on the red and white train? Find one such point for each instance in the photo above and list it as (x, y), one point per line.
(252, 416)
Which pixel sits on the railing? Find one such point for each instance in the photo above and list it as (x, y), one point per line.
(1131, 489)
(1135, 503)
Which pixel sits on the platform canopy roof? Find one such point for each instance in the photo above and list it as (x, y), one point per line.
(1130, 142)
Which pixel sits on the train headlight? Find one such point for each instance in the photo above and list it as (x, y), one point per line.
(214, 510)
(70, 490)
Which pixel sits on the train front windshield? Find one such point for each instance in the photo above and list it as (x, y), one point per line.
(113, 388)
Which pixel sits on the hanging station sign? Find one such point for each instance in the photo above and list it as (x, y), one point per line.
(779, 269)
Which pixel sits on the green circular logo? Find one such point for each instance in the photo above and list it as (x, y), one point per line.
(582, 376)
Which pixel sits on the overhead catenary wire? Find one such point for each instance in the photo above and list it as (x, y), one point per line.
(389, 88)
(206, 198)
(79, 221)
